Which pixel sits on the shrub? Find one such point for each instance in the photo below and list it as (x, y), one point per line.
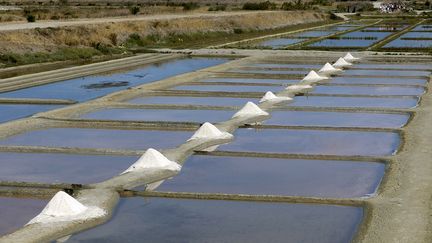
(134, 10)
(190, 6)
(217, 8)
(238, 31)
(31, 18)
(135, 40)
(267, 5)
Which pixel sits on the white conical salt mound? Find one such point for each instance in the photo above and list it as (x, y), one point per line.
(63, 207)
(299, 88)
(250, 109)
(62, 204)
(209, 131)
(153, 159)
(341, 63)
(329, 69)
(270, 97)
(350, 58)
(313, 77)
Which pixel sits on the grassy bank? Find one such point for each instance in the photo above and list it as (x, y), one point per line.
(83, 42)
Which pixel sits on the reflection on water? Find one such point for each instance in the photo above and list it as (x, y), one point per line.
(77, 89)
(354, 102)
(376, 90)
(337, 119)
(57, 168)
(314, 142)
(248, 175)
(375, 80)
(170, 220)
(182, 100)
(161, 115)
(230, 88)
(99, 138)
(386, 72)
(10, 112)
(252, 80)
(16, 212)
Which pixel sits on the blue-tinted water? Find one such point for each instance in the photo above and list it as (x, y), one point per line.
(363, 90)
(269, 71)
(160, 115)
(184, 100)
(314, 33)
(176, 220)
(314, 142)
(423, 27)
(375, 80)
(394, 66)
(280, 42)
(61, 168)
(230, 88)
(99, 138)
(343, 43)
(363, 34)
(87, 88)
(398, 43)
(16, 212)
(387, 72)
(376, 36)
(354, 102)
(336, 119)
(10, 112)
(288, 65)
(417, 35)
(266, 176)
(252, 80)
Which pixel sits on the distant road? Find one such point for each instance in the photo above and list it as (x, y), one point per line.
(62, 23)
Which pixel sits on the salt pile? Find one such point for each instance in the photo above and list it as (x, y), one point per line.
(350, 57)
(63, 207)
(153, 159)
(341, 63)
(209, 131)
(270, 97)
(329, 69)
(250, 109)
(313, 77)
(299, 88)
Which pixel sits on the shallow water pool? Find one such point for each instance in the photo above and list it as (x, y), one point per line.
(61, 168)
(363, 102)
(174, 220)
(230, 88)
(375, 80)
(99, 138)
(337, 119)
(372, 90)
(90, 87)
(160, 115)
(271, 176)
(16, 212)
(252, 80)
(9, 112)
(185, 100)
(314, 142)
